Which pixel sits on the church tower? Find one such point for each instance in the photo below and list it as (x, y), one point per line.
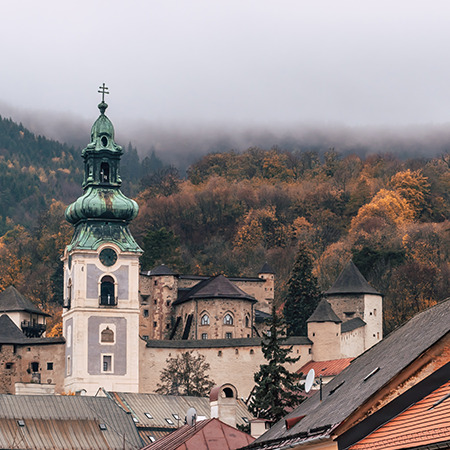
(101, 274)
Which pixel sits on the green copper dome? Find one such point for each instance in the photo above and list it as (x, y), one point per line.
(109, 204)
(103, 212)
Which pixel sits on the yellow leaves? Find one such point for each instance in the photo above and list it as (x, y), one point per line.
(261, 226)
(387, 207)
(413, 187)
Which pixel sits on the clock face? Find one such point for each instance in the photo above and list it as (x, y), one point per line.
(108, 257)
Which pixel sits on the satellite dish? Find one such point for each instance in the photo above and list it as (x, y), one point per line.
(309, 380)
(191, 417)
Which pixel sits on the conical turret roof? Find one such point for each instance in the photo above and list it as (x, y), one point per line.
(324, 313)
(351, 281)
(266, 268)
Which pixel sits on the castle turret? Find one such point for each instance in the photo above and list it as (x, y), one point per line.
(324, 330)
(352, 297)
(268, 275)
(101, 274)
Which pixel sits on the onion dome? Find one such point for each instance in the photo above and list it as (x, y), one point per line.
(107, 204)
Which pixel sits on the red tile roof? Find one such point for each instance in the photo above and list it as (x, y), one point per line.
(426, 422)
(326, 368)
(206, 434)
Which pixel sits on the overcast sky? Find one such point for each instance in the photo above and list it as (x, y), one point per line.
(231, 62)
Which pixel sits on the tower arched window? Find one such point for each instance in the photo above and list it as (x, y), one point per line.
(107, 291)
(104, 172)
(247, 321)
(228, 319)
(204, 320)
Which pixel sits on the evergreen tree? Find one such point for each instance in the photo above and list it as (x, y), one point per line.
(303, 293)
(185, 375)
(161, 247)
(276, 388)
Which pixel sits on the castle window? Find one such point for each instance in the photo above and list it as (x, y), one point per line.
(204, 335)
(107, 292)
(9, 366)
(49, 366)
(247, 321)
(228, 335)
(228, 319)
(106, 363)
(252, 351)
(145, 312)
(219, 353)
(374, 312)
(204, 320)
(107, 335)
(155, 324)
(104, 172)
(35, 366)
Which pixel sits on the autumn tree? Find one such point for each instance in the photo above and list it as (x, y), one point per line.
(414, 188)
(186, 374)
(303, 293)
(277, 390)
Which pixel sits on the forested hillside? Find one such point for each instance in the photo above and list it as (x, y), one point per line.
(237, 210)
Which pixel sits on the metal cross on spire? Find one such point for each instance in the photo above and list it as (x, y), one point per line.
(103, 90)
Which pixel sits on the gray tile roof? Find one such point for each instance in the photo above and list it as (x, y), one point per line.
(213, 343)
(324, 313)
(351, 281)
(351, 388)
(266, 268)
(11, 334)
(12, 300)
(62, 422)
(212, 288)
(352, 324)
(161, 407)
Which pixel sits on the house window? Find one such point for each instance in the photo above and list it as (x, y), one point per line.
(107, 292)
(205, 320)
(228, 335)
(106, 363)
(204, 335)
(49, 366)
(107, 335)
(228, 319)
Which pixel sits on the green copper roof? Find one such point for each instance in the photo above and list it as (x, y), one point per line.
(103, 212)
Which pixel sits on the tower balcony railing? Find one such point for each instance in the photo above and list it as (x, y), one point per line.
(107, 300)
(33, 329)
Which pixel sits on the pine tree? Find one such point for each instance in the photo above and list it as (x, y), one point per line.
(303, 293)
(276, 388)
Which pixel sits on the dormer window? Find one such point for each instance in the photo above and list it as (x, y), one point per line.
(104, 172)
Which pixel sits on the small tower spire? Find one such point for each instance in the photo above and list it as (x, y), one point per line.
(103, 89)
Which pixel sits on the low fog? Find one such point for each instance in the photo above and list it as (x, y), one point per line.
(180, 144)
